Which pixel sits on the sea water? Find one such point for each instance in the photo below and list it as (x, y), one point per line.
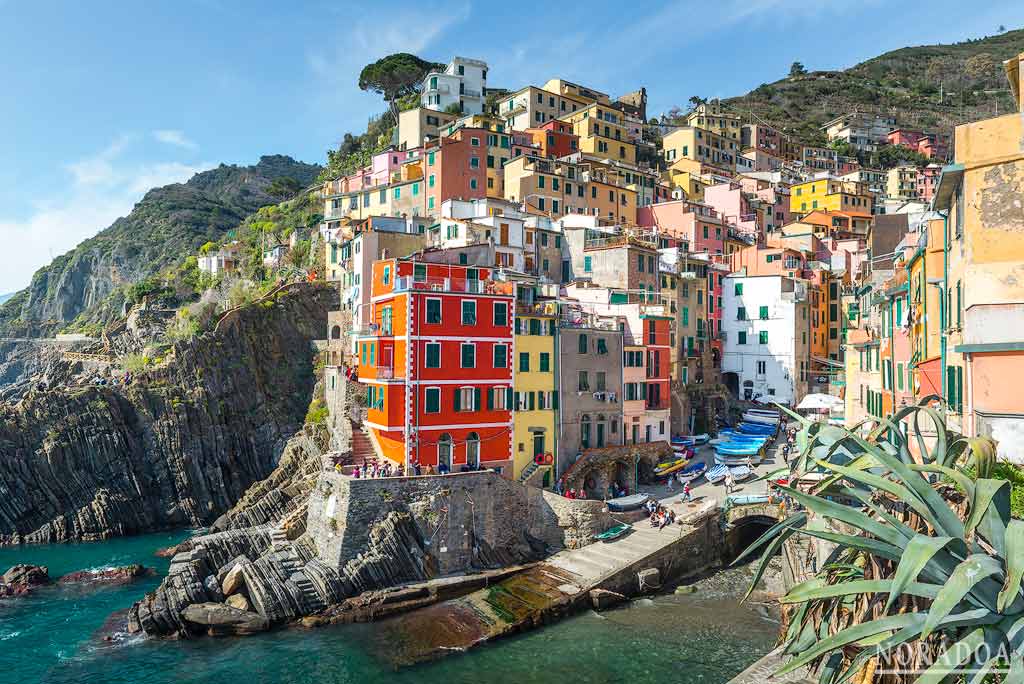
(54, 635)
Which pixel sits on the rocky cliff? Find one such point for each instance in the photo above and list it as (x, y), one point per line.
(168, 224)
(178, 445)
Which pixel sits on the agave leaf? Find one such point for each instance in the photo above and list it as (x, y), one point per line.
(991, 507)
(828, 671)
(850, 635)
(907, 532)
(801, 593)
(796, 519)
(953, 657)
(859, 542)
(886, 485)
(1016, 673)
(766, 557)
(966, 575)
(952, 473)
(850, 516)
(1014, 556)
(771, 474)
(803, 420)
(916, 555)
(993, 639)
(950, 524)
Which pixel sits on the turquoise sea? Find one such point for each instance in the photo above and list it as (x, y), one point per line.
(50, 636)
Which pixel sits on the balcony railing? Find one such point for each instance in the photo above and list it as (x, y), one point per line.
(407, 283)
(537, 309)
(385, 372)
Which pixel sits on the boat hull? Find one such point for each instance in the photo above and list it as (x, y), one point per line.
(628, 503)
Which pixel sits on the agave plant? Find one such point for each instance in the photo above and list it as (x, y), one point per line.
(923, 567)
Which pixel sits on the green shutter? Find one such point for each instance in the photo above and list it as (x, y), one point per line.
(476, 399)
(582, 344)
(530, 396)
(524, 362)
(508, 398)
(490, 399)
(457, 401)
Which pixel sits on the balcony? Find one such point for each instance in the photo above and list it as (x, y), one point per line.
(538, 309)
(469, 92)
(385, 372)
(409, 283)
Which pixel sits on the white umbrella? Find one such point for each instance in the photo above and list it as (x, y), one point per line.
(819, 402)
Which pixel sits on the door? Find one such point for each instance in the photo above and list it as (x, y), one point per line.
(600, 434)
(444, 453)
(538, 446)
(473, 451)
(636, 434)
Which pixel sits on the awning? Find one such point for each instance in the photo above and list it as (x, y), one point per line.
(827, 362)
(818, 402)
(949, 179)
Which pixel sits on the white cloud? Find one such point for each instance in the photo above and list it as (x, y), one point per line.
(176, 138)
(99, 189)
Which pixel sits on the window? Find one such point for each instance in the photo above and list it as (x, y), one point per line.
(386, 278)
(588, 264)
(640, 262)
(762, 337)
(385, 321)
(581, 343)
(467, 399)
(545, 362)
(741, 314)
(468, 355)
(584, 382)
(433, 359)
(763, 313)
(585, 432)
(600, 381)
(761, 367)
(500, 356)
(432, 400)
(433, 310)
(742, 339)
(524, 362)
(468, 312)
(500, 313)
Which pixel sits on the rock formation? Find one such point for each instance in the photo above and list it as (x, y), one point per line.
(178, 446)
(118, 575)
(22, 579)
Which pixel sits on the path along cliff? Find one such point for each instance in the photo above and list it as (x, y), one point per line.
(178, 445)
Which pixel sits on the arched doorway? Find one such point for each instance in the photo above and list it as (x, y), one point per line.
(748, 390)
(742, 533)
(473, 451)
(732, 383)
(336, 332)
(444, 452)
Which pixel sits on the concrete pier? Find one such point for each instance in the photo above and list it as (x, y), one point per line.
(559, 586)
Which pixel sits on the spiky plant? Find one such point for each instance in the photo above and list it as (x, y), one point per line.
(916, 563)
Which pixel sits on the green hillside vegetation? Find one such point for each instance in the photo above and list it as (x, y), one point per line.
(934, 87)
(90, 284)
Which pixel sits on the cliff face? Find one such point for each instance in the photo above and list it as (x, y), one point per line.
(177, 446)
(165, 226)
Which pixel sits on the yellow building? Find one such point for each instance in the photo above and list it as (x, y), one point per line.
(984, 273)
(534, 383)
(554, 188)
(832, 194)
(602, 132)
(711, 116)
(901, 182)
(576, 91)
(692, 144)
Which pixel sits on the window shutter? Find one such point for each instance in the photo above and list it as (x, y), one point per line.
(530, 400)
(554, 400)
(508, 399)
(490, 399)
(476, 399)
(458, 399)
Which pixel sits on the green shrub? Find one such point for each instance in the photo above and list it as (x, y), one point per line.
(317, 413)
(135, 363)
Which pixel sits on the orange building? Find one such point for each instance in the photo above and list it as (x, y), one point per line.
(437, 360)
(555, 138)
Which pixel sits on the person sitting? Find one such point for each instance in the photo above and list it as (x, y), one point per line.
(667, 519)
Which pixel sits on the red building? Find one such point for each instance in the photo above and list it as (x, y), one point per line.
(456, 167)
(659, 361)
(437, 362)
(931, 145)
(555, 138)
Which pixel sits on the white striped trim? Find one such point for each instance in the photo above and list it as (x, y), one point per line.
(421, 427)
(464, 382)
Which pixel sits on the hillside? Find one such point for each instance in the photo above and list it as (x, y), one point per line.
(906, 83)
(89, 282)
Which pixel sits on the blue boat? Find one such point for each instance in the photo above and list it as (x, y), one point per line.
(742, 449)
(692, 472)
(753, 429)
(716, 474)
(755, 459)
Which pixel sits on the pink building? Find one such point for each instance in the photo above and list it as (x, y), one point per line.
(927, 181)
(733, 205)
(931, 145)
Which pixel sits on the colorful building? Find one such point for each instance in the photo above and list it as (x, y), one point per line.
(438, 365)
(535, 432)
(830, 193)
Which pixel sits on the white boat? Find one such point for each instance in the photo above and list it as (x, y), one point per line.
(740, 472)
(716, 474)
(765, 412)
(760, 418)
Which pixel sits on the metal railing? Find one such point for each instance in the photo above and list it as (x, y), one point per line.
(407, 283)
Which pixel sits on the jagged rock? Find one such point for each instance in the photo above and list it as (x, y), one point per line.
(223, 570)
(176, 447)
(234, 580)
(220, 619)
(238, 601)
(22, 579)
(213, 588)
(118, 575)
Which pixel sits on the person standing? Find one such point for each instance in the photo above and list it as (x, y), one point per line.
(687, 496)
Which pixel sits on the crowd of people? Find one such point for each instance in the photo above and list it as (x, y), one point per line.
(660, 516)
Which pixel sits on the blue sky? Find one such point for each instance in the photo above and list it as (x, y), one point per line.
(102, 100)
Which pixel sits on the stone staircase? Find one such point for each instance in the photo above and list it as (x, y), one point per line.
(527, 472)
(362, 446)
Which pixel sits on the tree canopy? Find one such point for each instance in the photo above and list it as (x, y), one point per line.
(797, 69)
(395, 76)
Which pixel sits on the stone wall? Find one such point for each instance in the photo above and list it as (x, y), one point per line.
(464, 521)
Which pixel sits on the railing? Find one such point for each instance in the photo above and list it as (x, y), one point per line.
(538, 309)
(385, 372)
(407, 283)
(470, 92)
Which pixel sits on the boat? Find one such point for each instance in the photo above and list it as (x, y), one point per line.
(739, 449)
(669, 466)
(691, 440)
(722, 459)
(765, 412)
(692, 471)
(759, 418)
(740, 472)
(756, 429)
(628, 503)
(716, 474)
(614, 532)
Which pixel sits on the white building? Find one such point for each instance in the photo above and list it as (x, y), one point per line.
(461, 83)
(766, 326)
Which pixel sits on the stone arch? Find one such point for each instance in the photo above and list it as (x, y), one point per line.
(745, 524)
(336, 332)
